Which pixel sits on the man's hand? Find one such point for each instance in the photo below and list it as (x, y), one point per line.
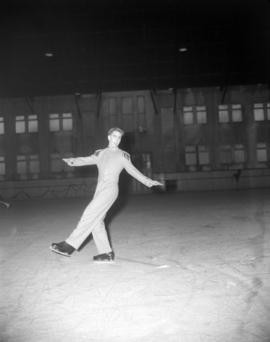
(155, 183)
(69, 161)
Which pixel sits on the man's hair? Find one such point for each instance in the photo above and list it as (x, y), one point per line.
(117, 129)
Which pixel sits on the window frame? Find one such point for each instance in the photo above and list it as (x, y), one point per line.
(264, 108)
(230, 110)
(27, 160)
(60, 119)
(266, 149)
(27, 121)
(196, 151)
(194, 112)
(2, 125)
(2, 167)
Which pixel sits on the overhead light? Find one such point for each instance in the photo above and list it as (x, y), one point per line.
(182, 49)
(49, 54)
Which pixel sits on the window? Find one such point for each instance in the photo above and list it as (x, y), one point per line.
(110, 112)
(128, 116)
(194, 115)
(147, 163)
(190, 155)
(268, 111)
(27, 166)
(32, 123)
(128, 122)
(60, 122)
(20, 125)
(258, 110)
(197, 155)
(126, 105)
(67, 121)
(201, 114)
(57, 164)
(239, 154)
(2, 125)
(21, 165)
(33, 163)
(261, 152)
(140, 104)
(141, 119)
(237, 113)
(127, 112)
(112, 105)
(26, 124)
(203, 153)
(223, 113)
(230, 113)
(261, 111)
(166, 120)
(188, 116)
(54, 122)
(225, 154)
(232, 154)
(2, 167)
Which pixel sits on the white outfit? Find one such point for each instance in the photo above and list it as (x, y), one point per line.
(110, 163)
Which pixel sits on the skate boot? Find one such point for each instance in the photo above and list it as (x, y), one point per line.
(62, 248)
(104, 258)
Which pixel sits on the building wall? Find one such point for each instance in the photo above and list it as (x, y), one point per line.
(183, 136)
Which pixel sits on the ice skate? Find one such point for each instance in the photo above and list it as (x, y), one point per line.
(104, 258)
(62, 248)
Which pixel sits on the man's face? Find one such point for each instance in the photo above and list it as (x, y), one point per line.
(114, 138)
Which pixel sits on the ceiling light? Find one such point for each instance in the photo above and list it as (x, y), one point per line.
(49, 54)
(183, 49)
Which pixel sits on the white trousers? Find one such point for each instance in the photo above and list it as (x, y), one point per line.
(92, 219)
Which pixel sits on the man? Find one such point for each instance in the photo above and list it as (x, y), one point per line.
(110, 162)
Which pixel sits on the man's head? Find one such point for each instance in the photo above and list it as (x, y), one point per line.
(117, 129)
(114, 136)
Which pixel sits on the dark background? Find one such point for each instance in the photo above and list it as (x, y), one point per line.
(63, 47)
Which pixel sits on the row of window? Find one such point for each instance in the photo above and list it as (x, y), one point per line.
(29, 123)
(195, 155)
(226, 113)
(126, 112)
(126, 119)
(29, 165)
(115, 107)
(124, 105)
(228, 154)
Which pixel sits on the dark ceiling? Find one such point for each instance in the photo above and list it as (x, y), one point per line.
(60, 47)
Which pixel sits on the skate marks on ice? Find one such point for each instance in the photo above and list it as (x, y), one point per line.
(215, 289)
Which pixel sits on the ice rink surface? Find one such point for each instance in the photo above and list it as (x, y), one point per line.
(190, 267)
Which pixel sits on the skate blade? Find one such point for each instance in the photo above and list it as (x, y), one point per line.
(59, 252)
(103, 262)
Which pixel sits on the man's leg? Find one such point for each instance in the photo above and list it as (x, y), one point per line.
(91, 219)
(100, 237)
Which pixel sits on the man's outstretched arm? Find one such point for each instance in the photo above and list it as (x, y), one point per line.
(135, 173)
(81, 161)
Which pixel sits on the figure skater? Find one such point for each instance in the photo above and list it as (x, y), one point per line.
(110, 162)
